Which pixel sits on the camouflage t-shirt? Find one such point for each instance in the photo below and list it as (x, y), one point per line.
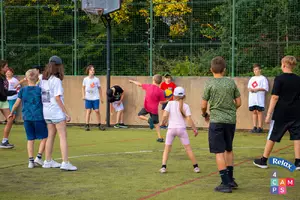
(220, 94)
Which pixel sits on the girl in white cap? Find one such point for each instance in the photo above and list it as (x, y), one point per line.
(176, 112)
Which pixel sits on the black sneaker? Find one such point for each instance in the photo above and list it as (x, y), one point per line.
(254, 130)
(122, 125)
(297, 165)
(260, 163)
(6, 145)
(259, 130)
(102, 128)
(223, 188)
(160, 140)
(87, 128)
(233, 184)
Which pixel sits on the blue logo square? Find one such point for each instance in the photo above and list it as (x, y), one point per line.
(274, 190)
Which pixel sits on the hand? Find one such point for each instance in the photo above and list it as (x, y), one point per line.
(68, 118)
(130, 81)
(10, 115)
(268, 118)
(195, 132)
(207, 118)
(119, 103)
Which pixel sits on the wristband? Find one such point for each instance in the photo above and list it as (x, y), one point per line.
(205, 115)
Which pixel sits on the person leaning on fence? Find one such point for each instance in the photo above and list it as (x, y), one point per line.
(115, 96)
(224, 98)
(258, 86)
(284, 111)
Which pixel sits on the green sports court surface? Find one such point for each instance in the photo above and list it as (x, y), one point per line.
(123, 164)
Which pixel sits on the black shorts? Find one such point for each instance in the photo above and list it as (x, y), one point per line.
(279, 128)
(220, 137)
(258, 108)
(164, 106)
(154, 117)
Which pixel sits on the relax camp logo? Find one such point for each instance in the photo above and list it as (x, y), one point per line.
(279, 185)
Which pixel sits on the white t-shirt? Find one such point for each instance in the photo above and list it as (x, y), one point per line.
(258, 98)
(50, 89)
(11, 87)
(40, 80)
(176, 120)
(92, 86)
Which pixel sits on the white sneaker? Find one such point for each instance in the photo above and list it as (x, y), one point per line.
(163, 170)
(30, 165)
(68, 166)
(51, 164)
(38, 162)
(196, 169)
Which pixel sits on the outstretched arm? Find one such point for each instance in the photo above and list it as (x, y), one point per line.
(136, 82)
(192, 124)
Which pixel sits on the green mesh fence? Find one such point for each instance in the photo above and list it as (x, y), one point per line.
(178, 37)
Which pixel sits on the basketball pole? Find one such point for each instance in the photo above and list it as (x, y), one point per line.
(108, 65)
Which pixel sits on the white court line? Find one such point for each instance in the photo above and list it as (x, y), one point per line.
(127, 152)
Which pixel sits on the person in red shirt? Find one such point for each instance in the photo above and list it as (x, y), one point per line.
(154, 97)
(168, 84)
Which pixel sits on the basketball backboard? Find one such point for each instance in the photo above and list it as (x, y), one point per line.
(108, 6)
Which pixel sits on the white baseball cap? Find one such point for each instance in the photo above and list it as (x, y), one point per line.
(179, 92)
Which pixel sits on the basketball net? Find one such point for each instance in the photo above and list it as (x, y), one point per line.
(94, 15)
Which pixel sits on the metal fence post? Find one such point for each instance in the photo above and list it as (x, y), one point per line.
(151, 38)
(75, 39)
(2, 29)
(233, 40)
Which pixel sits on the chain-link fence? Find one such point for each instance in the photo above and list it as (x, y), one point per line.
(152, 36)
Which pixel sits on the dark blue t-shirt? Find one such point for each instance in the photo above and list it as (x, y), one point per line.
(32, 106)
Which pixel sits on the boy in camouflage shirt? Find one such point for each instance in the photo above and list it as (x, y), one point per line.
(224, 98)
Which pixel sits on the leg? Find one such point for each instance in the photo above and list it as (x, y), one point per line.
(143, 117)
(9, 123)
(189, 152)
(157, 128)
(268, 148)
(119, 117)
(254, 121)
(167, 150)
(260, 119)
(30, 148)
(88, 116)
(50, 141)
(42, 146)
(229, 158)
(62, 131)
(98, 116)
(221, 161)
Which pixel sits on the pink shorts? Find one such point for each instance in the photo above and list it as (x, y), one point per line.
(179, 132)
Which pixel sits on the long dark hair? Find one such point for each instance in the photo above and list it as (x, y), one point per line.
(53, 69)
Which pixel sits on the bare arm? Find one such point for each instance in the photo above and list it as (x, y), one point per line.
(83, 92)
(111, 109)
(192, 124)
(101, 96)
(136, 82)
(204, 106)
(238, 102)
(122, 96)
(165, 118)
(20, 82)
(62, 107)
(273, 102)
(15, 107)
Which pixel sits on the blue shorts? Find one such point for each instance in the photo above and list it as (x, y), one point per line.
(11, 103)
(92, 104)
(36, 130)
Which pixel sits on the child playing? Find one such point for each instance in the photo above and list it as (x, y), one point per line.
(167, 84)
(177, 112)
(39, 69)
(32, 112)
(91, 89)
(154, 96)
(4, 106)
(12, 82)
(224, 99)
(115, 96)
(258, 86)
(284, 110)
(55, 113)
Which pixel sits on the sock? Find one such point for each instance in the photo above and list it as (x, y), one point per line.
(297, 160)
(224, 176)
(264, 159)
(99, 124)
(4, 140)
(254, 127)
(31, 159)
(39, 156)
(230, 172)
(164, 166)
(195, 165)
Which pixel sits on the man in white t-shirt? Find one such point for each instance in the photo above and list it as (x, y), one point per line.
(258, 86)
